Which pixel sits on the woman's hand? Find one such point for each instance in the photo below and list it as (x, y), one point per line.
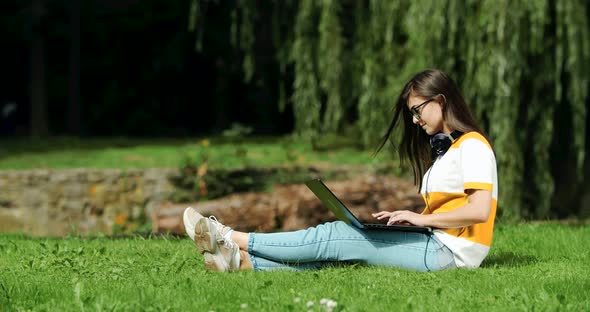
(401, 217)
(477, 210)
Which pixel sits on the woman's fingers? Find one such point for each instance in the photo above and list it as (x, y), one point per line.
(397, 221)
(396, 217)
(404, 217)
(381, 214)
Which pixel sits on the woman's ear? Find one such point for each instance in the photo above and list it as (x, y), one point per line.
(442, 100)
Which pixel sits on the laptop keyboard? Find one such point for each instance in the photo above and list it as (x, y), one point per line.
(376, 226)
(408, 228)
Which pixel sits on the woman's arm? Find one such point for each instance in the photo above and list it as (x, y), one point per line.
(477, 210)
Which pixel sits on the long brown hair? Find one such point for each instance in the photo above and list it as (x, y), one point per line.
(414, 145)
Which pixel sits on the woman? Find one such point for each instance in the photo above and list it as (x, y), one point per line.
(459, 188)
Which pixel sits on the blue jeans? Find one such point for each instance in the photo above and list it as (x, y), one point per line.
(338, 243)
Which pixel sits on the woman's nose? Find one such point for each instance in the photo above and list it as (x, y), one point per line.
(415, 120)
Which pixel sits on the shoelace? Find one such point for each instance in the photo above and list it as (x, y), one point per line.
(227, 243)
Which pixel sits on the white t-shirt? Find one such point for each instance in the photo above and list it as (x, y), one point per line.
(469, 163)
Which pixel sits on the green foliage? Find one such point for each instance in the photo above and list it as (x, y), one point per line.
(330, 62)
(377, 52)
(282, 36)
(196, 180)
(573, 52)
(156, 274)
(195, 185)
(190, 180)
(242, 33)
(225, 182)
(237, 132)
(236, 135)
(306, 93)
(518, 63)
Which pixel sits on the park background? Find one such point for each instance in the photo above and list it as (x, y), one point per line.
(115, 114)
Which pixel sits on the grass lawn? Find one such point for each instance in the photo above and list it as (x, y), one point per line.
(124, 153)
(541, 267)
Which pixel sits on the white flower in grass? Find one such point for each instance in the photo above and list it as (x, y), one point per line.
(243, 306)
(296, 299)
(310, 304)
(331, 304)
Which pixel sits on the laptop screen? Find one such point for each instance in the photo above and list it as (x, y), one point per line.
(343, 214)
(332, 202)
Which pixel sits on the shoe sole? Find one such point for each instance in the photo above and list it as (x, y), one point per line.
(204, 239)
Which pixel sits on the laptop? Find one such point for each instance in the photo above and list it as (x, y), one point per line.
(344, 214)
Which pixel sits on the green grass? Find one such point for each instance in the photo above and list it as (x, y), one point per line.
(540, 267)
(123, 153)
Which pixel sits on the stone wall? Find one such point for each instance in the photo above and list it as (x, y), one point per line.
(58, 202)
(86, 201)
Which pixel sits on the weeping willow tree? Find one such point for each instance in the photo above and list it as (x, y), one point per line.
(519, 63)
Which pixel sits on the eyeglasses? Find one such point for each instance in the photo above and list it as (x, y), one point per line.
(416, 110)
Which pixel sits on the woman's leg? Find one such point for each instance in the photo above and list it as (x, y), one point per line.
(248, 262)
(241, 239)
(339, 242)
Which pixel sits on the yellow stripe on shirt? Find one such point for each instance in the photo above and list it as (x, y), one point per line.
(478, 186)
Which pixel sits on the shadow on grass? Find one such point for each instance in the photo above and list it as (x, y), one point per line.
(508, 259)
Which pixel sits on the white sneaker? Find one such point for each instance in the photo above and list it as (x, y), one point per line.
(220, 252)
(209, 233)
(224, 260)
(190, 218)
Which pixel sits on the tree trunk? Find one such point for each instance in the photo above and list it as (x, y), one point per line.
(38, 91)
(221, 96)
(74, 121)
